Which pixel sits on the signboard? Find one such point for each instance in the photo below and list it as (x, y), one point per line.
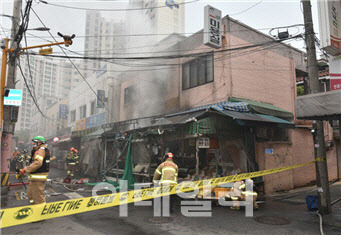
(45, 51)
(335, 72)
(56, 139)
(171, 4)
(63, 111)
(204, 142)
(269, 151)
(80, 124)
(95, 120)
(101, 71)
(13, 98)
(100, 98)
(330, 25)
(212, 27)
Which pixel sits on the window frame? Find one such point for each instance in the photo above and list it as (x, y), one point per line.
(74, 113)
(186, 85)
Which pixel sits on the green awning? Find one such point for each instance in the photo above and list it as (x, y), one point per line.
(203, 126)
(252, 119)
(264, 108)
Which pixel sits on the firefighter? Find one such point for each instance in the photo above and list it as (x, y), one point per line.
(72, 159)
(242, 191)
(38, 170)
(15, 153)
(13, 161)
(21, 159)
(166, 174)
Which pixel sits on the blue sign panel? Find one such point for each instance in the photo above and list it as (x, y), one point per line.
(101, 71)
(171, 4)
(14, 98)
(269, 151)
(63, 111)
(100, 98)
(95, 120)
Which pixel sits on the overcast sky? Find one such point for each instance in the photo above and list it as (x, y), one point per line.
(259, 14)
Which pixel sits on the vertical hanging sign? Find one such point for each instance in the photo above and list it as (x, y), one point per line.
(63, 111)
(100, 98)
(212, 25)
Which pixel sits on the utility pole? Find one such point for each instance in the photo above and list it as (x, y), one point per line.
(314, 87)
(7, 128)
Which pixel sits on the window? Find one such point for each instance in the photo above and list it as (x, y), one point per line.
(72, 115)
(82, 111)
(93, 108)
(272, 134)
(129, 94)
(197, 72)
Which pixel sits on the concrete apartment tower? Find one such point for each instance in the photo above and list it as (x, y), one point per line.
(155, 18)
(101, 40)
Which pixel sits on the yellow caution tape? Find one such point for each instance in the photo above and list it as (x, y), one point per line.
(26, 214)
(320, 159)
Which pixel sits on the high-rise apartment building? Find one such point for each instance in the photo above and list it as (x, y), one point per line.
(103, 38)
(161, 18)
(49, 78)
(42, 77)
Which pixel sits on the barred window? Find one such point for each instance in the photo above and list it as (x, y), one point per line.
(197, 72)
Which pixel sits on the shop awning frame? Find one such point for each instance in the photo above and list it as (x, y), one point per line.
(319, 106)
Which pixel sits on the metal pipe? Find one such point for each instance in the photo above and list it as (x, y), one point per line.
(3, 79)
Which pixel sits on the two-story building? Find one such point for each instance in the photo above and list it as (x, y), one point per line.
(250, 68)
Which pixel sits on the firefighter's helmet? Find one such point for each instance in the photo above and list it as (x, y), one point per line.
(39, 139)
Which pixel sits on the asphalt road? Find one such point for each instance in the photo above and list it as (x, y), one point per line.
(299, 221)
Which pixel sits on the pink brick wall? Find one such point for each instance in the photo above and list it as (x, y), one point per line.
(262, 76)
(303, 152)
(281, 157)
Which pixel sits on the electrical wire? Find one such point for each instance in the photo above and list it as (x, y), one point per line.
(171, 56)
(115, 10)
(27, 86)
(29, 68)
(35, 102)
(246, 9)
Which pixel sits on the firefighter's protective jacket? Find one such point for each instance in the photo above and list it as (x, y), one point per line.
(38, 169)
(166, 172)
(239, 189)
(72, 158)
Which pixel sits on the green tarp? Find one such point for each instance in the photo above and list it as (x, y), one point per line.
(264, 108)
(128, 172)
(203, 126)
(214, 125)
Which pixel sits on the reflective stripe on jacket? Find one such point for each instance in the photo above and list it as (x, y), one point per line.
(38, 177)
(166, 172)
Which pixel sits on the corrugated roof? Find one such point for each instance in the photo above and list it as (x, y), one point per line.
(255, 117)
(264, 108)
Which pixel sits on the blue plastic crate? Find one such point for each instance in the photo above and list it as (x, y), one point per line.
(312, 202)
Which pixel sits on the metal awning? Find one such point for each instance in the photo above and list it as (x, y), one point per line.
(264, 108)
(63, 140)
(319, 106)
(84, 132)
(253, 119)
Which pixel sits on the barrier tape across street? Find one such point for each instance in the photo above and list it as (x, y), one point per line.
(26, 214)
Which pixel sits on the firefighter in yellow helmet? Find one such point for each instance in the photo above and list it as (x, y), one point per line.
(72, 160)
(38, 170)
(243, 191)
(166, 174)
